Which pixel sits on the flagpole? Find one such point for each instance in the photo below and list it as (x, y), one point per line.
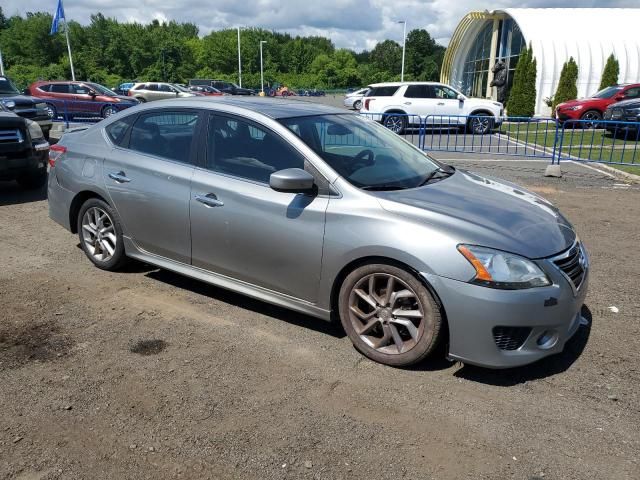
(66, 34)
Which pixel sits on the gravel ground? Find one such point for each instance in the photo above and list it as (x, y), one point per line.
(145, 374)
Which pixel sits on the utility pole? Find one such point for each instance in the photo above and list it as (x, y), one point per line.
(1, 64)
(404, 44)
(261, 67)
(239, 62)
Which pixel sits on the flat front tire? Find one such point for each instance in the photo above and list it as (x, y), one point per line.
(100, 232)
(389, 315)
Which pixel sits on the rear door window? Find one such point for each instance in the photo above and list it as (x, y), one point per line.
(166, 134)
(387, 91)
(59, 88)
(419, 91)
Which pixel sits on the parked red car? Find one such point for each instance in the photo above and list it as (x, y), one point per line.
(79, 99)
(593, 107)
(206, 90)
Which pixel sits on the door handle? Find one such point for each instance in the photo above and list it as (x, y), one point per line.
(440, 103)
(407, 103)
(209, 200)
(119, 177)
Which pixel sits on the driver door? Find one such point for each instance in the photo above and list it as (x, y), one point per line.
(243, 229)
(447, 105)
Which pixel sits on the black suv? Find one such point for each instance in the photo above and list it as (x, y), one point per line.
(223, 86)
(625, 111)
(26, 107)
(23, 150)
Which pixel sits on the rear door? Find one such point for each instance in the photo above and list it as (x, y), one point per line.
(148, 176)
(418, 100)
(242, 228)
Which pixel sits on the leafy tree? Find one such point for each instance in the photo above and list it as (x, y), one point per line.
(423, 56)
(567, 88)
(387, 57)
(522, 97)
(610, 73)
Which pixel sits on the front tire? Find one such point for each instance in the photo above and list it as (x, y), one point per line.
(357, 105)
(52, 113)
(389, 315)
(480, 124)
(109, 110)
(100, 232)
(591, 118)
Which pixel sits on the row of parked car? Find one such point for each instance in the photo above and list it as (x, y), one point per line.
(402, 104)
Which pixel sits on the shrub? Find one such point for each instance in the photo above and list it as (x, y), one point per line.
(522, 98)
(610, 73)
(567, 88)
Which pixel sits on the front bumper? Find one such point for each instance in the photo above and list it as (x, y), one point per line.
(473, 312)
(16, 163)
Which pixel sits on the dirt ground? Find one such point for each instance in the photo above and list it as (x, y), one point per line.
(145, 374)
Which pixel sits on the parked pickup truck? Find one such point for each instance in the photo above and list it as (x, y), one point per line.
(24, 106)
(24, 151)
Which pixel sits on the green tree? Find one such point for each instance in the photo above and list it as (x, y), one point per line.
(387, 57)
(567, 88)
(610, 73)
(423, 56)
(522, 97)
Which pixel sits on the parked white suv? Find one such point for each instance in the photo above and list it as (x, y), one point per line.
(430, 103)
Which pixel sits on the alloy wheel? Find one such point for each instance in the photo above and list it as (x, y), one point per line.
(395, 123)
(108, 111)
(480, 125)
(591, 119)
(51, 111)
(357, 105)
(386, 313)
(99, 234)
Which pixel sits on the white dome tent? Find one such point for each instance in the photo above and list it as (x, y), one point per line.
(589, 35)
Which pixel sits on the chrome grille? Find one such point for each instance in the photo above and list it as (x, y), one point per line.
(572, 263)
(510, 338)
(11, 135)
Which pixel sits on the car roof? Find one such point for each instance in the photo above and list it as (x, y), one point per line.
(399, 84)
(270, 107)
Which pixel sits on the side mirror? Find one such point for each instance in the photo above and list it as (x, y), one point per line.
(461, 97)
(92, 94)
(292, 180)
(619, 97)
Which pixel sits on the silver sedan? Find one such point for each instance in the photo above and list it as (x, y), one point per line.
(329, 214)
(353, 100)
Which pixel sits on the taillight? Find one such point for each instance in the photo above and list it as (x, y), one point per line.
(55, 153)
(367, 102)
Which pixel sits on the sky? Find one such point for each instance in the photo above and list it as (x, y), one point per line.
(354, 24)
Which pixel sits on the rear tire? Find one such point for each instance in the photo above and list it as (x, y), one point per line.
(389, 315)
(100, 233)
(396, 122)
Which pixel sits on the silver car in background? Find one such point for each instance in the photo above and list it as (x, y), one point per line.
(353, 100)
(329, 214)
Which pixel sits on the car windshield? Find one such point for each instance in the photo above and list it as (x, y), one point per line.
(102, 90)
(607, 92)
(179, 88)
(7, 88)
(365, 153)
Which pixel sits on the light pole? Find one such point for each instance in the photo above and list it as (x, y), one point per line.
(404, 44)
(1, 64)
(261, 67)
(239, 61)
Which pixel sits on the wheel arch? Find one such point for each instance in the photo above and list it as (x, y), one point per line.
(359, 262)
(482, 111)
(76, 205)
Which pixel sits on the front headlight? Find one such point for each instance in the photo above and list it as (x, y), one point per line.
(34, 130)
(575, 107)
(632, 111)
(503, 270)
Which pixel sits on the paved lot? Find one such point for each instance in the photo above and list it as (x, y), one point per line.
(228, 387)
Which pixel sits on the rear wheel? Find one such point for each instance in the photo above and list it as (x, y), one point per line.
(389, 315)
(396, 122)
(591, 118)
(100, 233)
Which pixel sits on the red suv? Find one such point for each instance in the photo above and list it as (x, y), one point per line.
(593, 107)
(79, 99)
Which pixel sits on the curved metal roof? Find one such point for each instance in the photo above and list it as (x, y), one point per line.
(589, 35)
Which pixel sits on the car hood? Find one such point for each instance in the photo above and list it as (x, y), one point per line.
(483, 211)
(633, 102)
(20, 100)
(10, 120)
(583, 101)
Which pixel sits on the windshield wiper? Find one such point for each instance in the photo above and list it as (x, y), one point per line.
(438, 171)
(384, 187)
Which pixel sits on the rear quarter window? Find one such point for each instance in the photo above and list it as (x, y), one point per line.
(117, 131)
(382, 91)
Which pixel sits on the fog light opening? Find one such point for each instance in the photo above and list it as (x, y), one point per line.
(547, 339)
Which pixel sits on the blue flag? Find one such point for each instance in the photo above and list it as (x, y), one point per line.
(57, 17)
